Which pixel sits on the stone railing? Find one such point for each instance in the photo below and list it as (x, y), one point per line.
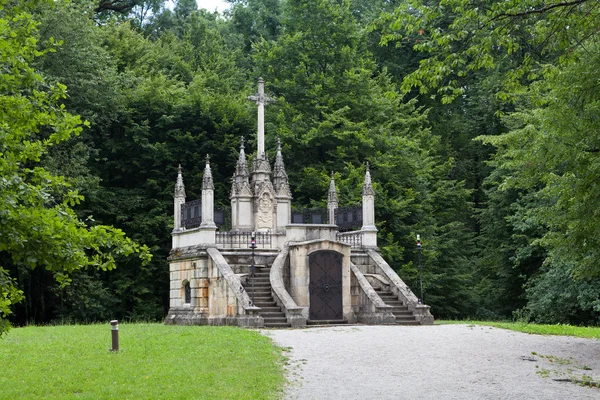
(243, 240)
(376, 311)
(247, 312)
(399, 288)
(354, 239)
(292, 311)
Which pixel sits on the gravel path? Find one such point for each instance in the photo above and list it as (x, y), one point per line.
(435, 362)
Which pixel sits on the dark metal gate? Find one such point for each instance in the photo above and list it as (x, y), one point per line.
(325, 286)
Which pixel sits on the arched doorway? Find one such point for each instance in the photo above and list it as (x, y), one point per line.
(325, 286)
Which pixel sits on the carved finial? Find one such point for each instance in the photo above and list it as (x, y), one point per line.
(280, 178)
(234, 191)
(207, 180)
(241, 169)
(368, 185)
(332, 197)
(179, 187)
(279, 167)
(260, 79)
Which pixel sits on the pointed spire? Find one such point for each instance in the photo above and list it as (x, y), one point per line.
(242, 166)
(207, 181)
(332, 196)
(279, 166)
(368, 185)
(280, 178)
(179, 187)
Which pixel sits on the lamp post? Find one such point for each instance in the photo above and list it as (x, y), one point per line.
(114, 332)
(420, 267)
(252, 266)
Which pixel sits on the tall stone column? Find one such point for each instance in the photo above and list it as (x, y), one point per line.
(369, 230)
(332, 200)
(264, 202)
(261, 100)
(178, 201)
(208, 198)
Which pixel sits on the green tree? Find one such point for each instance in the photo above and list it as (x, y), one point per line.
(39, 227)
(551, 152)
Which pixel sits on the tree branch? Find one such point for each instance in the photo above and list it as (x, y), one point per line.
(541, 10)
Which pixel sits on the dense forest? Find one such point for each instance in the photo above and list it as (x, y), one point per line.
(480, 121)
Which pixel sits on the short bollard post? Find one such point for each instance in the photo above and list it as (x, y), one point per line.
(114, 328)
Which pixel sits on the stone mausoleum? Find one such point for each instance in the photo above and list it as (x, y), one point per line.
(276, 267)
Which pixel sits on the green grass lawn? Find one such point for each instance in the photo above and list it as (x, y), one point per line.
(563, 330)
(154, 362)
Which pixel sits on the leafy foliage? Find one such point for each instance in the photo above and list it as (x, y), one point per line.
(460, 36)
(38, 224)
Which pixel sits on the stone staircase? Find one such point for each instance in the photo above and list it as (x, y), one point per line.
(270, 311)
(400, 311)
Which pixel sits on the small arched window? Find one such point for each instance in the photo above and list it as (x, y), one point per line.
(187, 289)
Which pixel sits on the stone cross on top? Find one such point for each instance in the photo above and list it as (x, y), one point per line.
(261, 100)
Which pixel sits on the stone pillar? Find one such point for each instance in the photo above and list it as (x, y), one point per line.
(332, 200)
(208, 198)
(178, 201)
(283, 195)
(369, 231)
(263, 193)
(241, 195)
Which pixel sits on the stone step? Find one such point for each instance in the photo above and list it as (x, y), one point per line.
(395, 303)
(258, 289)
(261, 285)
(398, 308)
(407, 322)
(263, 303)
(326, 322)
(271, 320)
(404, 318)
(265, 292)
(277, 325)
(403, 314)
(266, 304)
(261, 298)
(261, 281)
(272, 314)
(273, 308)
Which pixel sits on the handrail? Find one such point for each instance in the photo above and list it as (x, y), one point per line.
(403, 289)
(367, 288)
(232, 279)
(277, 284)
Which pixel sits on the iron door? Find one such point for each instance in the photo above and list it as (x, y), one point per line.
(325, 286)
